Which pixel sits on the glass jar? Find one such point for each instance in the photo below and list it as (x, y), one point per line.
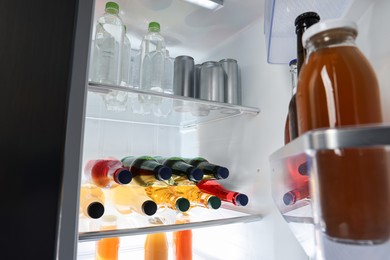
(337, 87)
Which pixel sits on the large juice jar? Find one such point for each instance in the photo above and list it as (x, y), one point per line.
(337, 87)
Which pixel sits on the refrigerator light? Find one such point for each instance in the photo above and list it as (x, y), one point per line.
(209, 4)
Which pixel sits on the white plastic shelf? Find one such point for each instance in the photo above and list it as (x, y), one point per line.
(159, 108)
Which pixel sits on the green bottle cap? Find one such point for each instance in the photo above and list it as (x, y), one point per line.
(112, 7)
(214, 202)
(154, 27)
(182, 204)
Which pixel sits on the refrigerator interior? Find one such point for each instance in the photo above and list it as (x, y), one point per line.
(242, 141)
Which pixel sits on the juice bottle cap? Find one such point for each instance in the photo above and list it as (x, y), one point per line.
(123, 176)
(95, 210)
(214, 202)
(149, 207)
(194, 174)
(163, 173)
(182, 204)
(221, 172)
(242, 200)
(289, 198)
(327, 25)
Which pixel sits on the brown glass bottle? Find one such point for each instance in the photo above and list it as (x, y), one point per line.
(302, 23)
(337, 87)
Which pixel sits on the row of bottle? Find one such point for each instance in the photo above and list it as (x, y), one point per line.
(156, 246)
(173, 182)
(111, 56)
(336, 87)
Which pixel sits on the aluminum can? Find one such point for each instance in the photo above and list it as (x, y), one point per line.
(232, 81)
(211, 81)
(183, 76)
(197, 80)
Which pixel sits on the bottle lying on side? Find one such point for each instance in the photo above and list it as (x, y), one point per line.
(146, 170)
(180, 168)
(163, 196)
(107, 172)
(91, 201)
(210, 171)
(196, 196)
(131, 198)
(215, 188)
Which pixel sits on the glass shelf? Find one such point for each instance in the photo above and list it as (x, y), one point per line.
(164, 221)
(158, 108)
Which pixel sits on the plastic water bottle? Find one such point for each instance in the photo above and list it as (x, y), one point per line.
(107, 49)
(152, 62)
(126, 61)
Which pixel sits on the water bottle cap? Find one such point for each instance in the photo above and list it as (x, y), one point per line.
(95, 210)
(149, 207)
(163, 173)
(182, 204)
(194, 174)
(242, 199)
(214, 202)
(123, 176)
(221, 172)
(154, 26)
(112, 6)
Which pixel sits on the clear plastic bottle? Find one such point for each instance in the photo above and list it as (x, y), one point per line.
(152, 62)
(126, 61)
(107, 49)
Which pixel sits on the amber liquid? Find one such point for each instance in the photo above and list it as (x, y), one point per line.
(156, 247)
(337, 87)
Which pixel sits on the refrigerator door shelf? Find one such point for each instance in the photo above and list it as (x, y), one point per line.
(286, 179)
(157, 108)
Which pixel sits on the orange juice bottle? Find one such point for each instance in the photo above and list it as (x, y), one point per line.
(107, 248)
(156, 247)
(182, 240)
(91, 201)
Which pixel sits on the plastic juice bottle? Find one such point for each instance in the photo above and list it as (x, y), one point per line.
(156, 247)
(182, 240)
(107, 248)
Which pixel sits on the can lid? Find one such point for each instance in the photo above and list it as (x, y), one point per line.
(184, 57)
(326, 26)
(228, 60)
(210, 63)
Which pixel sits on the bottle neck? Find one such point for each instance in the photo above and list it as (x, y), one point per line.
(112, 11)
(331, 38)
